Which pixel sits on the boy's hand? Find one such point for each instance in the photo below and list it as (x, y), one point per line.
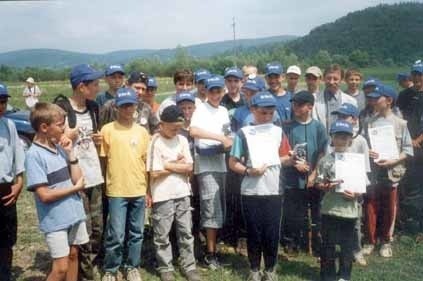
(256, 172)
(311, 179)
(12, 197)
(349, 195)
(97, 138)
(373, 154)
(386, 163)
(66, 143)
(72, 133)
(148, 201)
(302, 167)
(227, 143)
(80, 184)
(328, 185)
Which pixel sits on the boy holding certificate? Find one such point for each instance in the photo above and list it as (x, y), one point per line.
(339, 208)
(391, 145)
(257, 153)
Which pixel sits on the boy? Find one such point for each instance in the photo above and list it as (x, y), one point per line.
(54, 175)
(233, 82)
(210, 127)
(293, 74)
(404, 80)
(124, 150)
(381, 197)
(339, 210)
(299, 178)
(274, 78)
(332, 97)
(261, 192)
(313, 77)
(82, 128)
(169, 162)
(353, 79)
(201, 76)
(11, 181)
(249, 71)
(150, 94)
(115, 75)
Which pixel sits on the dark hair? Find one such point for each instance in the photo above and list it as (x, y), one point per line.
(137, 77)
(334, 68)
(183, 75)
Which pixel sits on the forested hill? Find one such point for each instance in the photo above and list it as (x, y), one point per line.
(387, 33)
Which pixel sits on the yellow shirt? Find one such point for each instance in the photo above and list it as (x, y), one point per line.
(126, 150)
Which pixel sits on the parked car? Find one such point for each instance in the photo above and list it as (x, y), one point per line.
(23, 126)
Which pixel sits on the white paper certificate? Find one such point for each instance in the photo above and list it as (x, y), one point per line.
(263, 145)
(382, 140)
(351, 168)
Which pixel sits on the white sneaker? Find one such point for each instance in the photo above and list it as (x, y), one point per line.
(360, 259)
(133, 275)
(386, 250)
(108, 277)
(368, 249)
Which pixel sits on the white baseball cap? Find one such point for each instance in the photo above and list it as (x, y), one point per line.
(315, 71)
(294, 69)
(30, 80)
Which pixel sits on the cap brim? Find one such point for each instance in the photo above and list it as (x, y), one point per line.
(190, 100)
(273, 72)
(251, 88)
(126, 102)
(266, 104)
(373, 95)
(233, 75)
(5, 96)
(210, 87)
(94, 76)
(342, 131)
(115, 71)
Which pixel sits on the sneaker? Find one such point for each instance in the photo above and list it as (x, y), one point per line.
(368, 249)
(254, 276)
(167, 276)
(386, 250)
(360, 259)
(193, 275)
(133, 275)
(211, 261)
(108, 276)
(270, 276)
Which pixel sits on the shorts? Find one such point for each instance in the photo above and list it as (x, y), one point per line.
(59, 242)
(212, 199)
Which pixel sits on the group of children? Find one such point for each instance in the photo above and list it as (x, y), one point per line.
(233, 159)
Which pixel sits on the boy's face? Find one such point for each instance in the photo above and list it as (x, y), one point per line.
(404, 83)
(126, 111)
(201, 88)
(353, 82)
(263, 115)
(248, 94)
(55, 130)
(214, 96)
(301, 109)
(170, 130)
(341, 141)
(149, 95)
(382, 103)
(274, 81)
(90, 90)
(188, 108)
(233, 84)
(292, 80)
(333, 81)
(3, 106)
(115, 81)
(312, 82)
(139, 88)
(183, 86)
(417, 79)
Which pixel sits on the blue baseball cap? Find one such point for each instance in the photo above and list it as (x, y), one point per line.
(126, 96)
(234, 72)
(114, 68)
(3, 91)
(371, 82)
(184, 96)
(417, 67)
(252, 84)
(403, 76)
(215, 81)
(347, 109)
(263, 99)
(201, 75)
(152, 82)
(383, 90)
(273, 68)
(83, 72)
(341, 126)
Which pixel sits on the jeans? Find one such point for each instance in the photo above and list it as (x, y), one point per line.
(124, 212)
(262, 215)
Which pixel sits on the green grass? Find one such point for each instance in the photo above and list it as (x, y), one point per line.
(32, 262)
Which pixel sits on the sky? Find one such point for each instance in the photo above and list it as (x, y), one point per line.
(101, 26)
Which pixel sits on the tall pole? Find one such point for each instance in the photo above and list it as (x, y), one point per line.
(234, 32)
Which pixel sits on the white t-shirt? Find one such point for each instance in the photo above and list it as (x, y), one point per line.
(214, 120)
(31, 95)
(160, 151)
(86, 151)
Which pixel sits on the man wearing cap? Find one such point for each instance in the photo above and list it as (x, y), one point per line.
(233, 82)
(150, 94)
(31, 92)
(313, 77)
(12, 159)
(274, 78)
(115, 75)
(82, 128)
(381, 196)
(293, 74)
(200, 77)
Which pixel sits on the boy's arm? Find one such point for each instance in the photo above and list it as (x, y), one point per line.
(196, 132)
(48, 195)
(75, 170)
(179, 168)
(12, 197)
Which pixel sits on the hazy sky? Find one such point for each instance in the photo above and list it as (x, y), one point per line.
(100, 26)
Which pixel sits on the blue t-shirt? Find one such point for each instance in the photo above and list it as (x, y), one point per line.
(283, 106)
(50, 168)
(314, 134)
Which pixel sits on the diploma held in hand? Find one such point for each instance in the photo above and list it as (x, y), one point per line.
(382, 140)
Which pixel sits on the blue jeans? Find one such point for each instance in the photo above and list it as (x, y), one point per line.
(124, 212)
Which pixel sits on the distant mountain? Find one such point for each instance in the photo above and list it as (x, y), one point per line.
(385, 32)
(52, 58)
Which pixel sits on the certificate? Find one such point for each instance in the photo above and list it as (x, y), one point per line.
(382, 141)
(351, 169)
(263, 143)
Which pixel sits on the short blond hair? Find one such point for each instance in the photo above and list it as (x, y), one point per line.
(45, 112)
